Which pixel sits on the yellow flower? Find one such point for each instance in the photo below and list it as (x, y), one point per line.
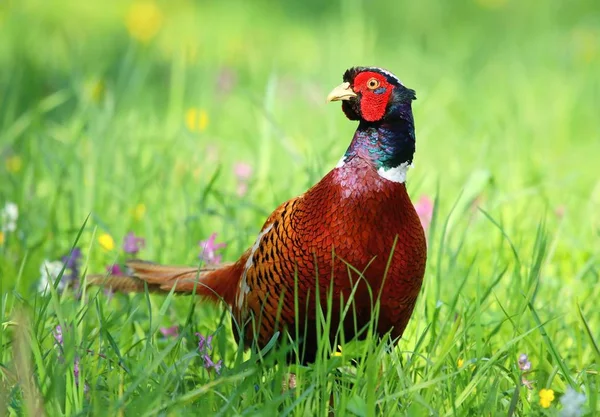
(138, 211)
(546, 397)
(106, 241)
(338, 352)
(1, 238)
(460, 362)
(196, 120)
(144, 20)
(94, 90)
(14, 164)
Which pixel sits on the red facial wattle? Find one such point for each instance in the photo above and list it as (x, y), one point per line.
(373, 102)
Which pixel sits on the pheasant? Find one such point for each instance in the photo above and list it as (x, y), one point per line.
(353, 237)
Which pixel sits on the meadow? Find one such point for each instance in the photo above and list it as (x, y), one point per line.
(179, 120)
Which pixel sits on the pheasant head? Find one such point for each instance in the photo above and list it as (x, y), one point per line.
(382, 104)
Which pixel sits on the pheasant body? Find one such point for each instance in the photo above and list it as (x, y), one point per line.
(355, 233)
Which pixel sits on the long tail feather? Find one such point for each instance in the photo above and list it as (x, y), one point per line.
(215, 282)
(119, 283)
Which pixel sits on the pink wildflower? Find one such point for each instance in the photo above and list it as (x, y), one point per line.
(114, 269)
(242, 172)
(132, 243)
(424, 209)
(172, 331)
(209, 250)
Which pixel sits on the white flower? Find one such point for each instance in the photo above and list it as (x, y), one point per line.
(49, 271)
(572, 402)
(9, 215)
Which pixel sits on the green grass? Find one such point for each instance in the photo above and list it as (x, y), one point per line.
(93, 123)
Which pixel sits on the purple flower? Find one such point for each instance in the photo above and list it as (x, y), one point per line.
(114, 269)
(209, 248)
(172, 331)
(209, 364)
(132, 243)
(58, 336)
(86, 387)
(76, 370)
(71, 262)
(524, 364)
(204, 348)
(204, 343)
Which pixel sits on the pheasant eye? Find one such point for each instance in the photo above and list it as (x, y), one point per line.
(373, 83)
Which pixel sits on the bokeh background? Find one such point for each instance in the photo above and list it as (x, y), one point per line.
(178, 120)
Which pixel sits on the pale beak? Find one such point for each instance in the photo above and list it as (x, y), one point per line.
(341, 92)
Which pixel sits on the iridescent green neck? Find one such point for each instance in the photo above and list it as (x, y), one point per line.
(386, 145)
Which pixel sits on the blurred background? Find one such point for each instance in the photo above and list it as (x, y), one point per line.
(178, 119)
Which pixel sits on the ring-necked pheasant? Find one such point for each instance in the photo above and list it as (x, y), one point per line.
(355, 232)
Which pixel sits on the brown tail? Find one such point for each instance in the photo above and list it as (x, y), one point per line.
(213, 282)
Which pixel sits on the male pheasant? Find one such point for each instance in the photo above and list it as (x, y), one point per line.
(355, 233)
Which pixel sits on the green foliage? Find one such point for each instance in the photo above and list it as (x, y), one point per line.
(136, 115)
